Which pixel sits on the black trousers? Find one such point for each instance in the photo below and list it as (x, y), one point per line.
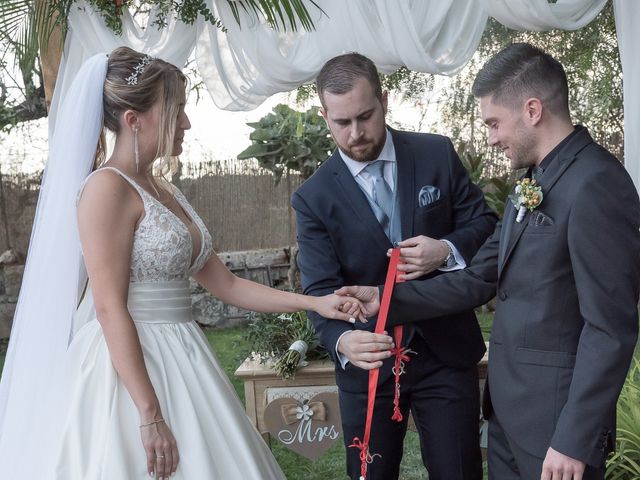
(507, 461)
(445, 405)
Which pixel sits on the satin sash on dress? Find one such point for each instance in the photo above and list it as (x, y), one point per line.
(149, 302)
(160, 302)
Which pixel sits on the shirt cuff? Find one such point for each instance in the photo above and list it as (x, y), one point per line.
(459, 260)
(342, 358)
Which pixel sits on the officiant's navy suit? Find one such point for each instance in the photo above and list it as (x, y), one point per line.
(566, 320)
(342, 243)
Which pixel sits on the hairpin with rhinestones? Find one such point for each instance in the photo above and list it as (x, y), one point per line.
(138, 70)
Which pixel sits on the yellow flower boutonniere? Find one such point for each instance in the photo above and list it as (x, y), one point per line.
(527, 196)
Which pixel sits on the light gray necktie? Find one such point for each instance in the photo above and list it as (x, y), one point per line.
(382, 194)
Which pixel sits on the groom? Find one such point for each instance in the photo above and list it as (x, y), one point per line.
(566, 274)
(381, 186)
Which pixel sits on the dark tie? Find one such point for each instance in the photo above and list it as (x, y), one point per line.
(536, 171)
(382, 194)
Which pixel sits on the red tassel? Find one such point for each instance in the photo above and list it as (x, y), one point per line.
(365, 456)
(401, 354)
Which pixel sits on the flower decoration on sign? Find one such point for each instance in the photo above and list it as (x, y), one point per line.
(527, 196)
(304, 412)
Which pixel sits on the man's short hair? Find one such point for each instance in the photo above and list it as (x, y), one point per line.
(522, 71)
(339, 74)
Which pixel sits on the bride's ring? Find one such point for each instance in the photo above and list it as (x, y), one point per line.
(159, 456)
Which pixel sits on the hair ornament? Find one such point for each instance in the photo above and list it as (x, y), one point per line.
(138, 70)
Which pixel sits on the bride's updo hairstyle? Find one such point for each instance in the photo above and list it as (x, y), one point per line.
(136, 82)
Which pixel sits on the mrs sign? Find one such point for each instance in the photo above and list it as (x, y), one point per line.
(308, 427)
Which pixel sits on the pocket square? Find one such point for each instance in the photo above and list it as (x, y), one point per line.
(542, 220)
(428, 194)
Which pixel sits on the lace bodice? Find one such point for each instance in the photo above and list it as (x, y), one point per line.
(162, 245)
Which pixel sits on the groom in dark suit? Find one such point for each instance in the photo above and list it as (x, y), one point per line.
(566, 274)
(383, 186)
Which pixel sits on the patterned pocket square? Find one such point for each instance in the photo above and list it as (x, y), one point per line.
(428, 194)
(542, 220)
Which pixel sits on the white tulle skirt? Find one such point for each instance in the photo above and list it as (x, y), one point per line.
(101, 439)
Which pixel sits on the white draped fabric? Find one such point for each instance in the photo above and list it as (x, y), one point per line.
(627, 15)
(541, 15)
(249, 63)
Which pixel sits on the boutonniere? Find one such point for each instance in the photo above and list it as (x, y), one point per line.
(527, 196)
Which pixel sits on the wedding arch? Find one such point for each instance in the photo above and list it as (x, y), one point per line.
(250, 61)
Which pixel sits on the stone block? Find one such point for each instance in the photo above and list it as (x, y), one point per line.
(12, 280)
(7, 311)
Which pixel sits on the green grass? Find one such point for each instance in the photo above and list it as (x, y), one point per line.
(486, 321)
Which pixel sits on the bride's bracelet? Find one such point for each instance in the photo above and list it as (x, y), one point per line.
(160, 420)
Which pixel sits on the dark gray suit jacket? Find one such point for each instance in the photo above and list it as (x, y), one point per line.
(566, 320)
(342, 243)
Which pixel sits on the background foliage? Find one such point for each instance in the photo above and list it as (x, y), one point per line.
(289, 140)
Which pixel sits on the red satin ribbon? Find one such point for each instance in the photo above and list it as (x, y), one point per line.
(400, 356)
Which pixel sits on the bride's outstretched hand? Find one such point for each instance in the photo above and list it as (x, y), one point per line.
(368, 297)
(160, 447)
(336, 307)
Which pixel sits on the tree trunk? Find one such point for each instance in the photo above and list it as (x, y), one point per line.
(50, 56)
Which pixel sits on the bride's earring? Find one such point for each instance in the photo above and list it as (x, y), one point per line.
(135, 149)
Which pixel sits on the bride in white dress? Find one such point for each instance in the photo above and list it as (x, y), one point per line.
(143, 393)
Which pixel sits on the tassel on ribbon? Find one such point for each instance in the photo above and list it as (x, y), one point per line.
(401, 354)
(365, 456)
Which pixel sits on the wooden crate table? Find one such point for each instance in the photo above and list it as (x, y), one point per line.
(258, 378)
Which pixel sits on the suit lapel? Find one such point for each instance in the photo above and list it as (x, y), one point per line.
(405, 183)
(356, 200)
(508, 219)
(546, 181)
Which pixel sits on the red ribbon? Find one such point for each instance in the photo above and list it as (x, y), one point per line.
(401, 356)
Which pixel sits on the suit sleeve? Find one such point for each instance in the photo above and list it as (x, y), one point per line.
(473, 220)
(322, 273)
(450, 293)
(604, 246)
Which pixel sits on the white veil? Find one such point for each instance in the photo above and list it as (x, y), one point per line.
(31, 396)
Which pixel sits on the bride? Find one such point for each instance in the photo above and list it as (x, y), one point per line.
(137, 391)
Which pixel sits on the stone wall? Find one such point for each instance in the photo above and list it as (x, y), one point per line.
(11, 271)
(269, 267)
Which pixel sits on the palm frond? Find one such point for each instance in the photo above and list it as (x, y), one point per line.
(279, 14)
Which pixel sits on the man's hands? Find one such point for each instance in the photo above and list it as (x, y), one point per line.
(420, 255)
(365, 349)
(557, 466)
(368, 297)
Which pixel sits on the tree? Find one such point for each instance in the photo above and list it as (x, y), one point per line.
(591, 59)
(287, 140)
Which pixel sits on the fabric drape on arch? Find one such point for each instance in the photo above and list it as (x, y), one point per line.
(249, 63)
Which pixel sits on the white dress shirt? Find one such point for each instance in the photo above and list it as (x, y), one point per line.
(365, 180)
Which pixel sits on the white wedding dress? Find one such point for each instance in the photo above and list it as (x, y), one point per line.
(101, 439)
